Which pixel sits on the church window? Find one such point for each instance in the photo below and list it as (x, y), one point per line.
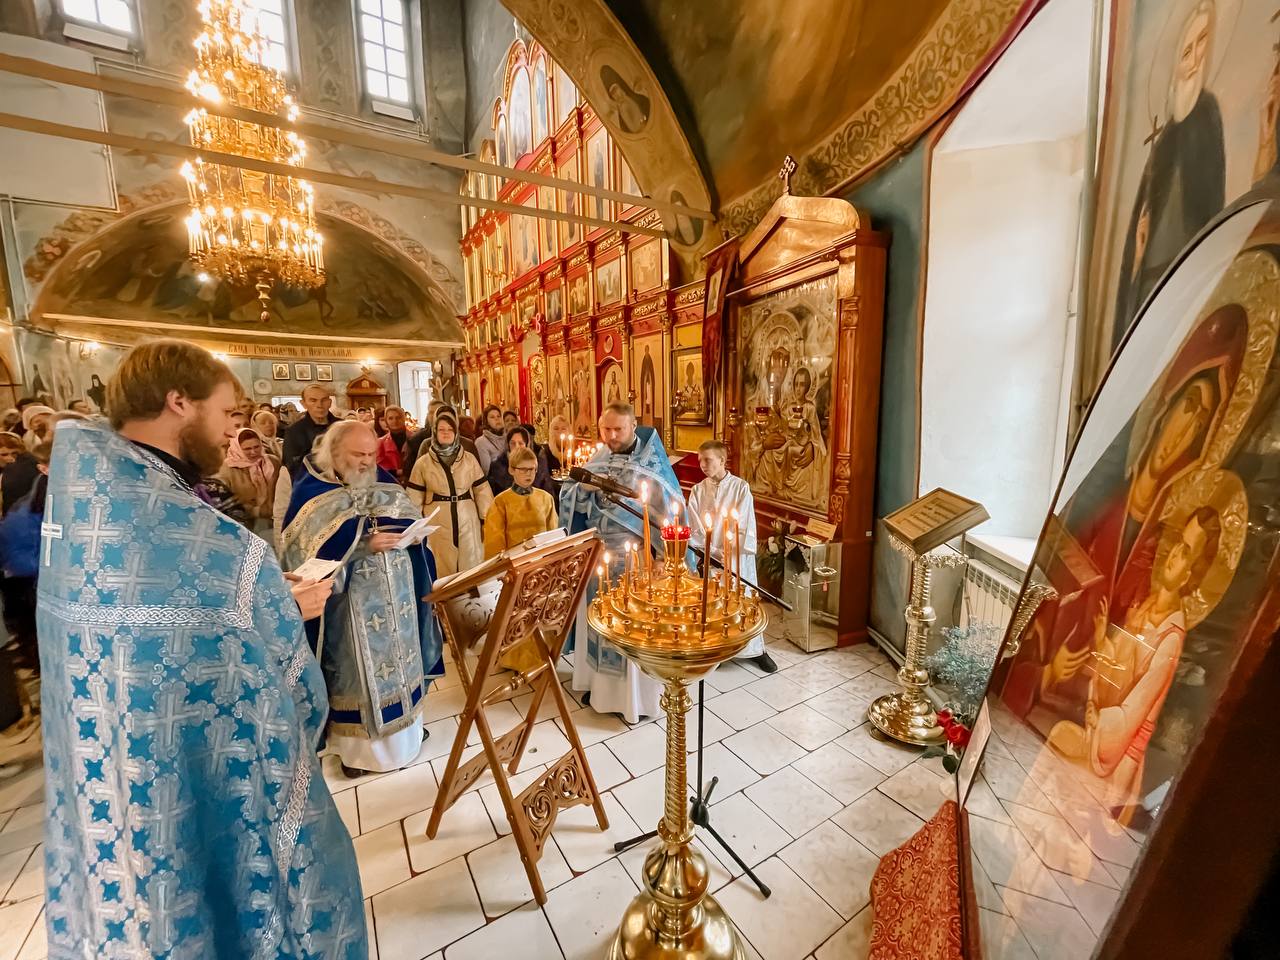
(114, 15)
(274, 29)
(384, 50)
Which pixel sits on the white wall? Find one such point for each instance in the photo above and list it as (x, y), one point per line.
(1004, 218)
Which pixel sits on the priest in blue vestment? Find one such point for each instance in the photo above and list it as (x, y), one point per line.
(378, 641)
(186, 815)
(630, 455)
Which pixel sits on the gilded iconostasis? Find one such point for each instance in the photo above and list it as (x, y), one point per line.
(565, 318)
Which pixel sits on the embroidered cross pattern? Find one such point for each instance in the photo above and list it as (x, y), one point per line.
(49, 531)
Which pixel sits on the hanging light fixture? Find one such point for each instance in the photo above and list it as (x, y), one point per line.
(245, 226)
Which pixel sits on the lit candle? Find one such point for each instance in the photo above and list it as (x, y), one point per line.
(600, 574)
(607, 560)
(728, 552)
(737, 538)
(724, 550)
(709, 536)
(648, 553)
(706, 567)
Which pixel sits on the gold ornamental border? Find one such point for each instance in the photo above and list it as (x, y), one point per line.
(921, 90)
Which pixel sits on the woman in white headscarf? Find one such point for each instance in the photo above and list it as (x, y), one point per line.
(268, 427)
(448, 479)
(37, 424)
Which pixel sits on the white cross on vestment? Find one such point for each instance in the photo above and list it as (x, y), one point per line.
(49, 531)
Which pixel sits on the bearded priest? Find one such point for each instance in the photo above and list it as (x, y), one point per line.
(377, 641)
(631, 455)
(186, 815)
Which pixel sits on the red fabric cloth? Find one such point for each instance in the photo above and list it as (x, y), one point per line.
(915, 895)
(389, 456)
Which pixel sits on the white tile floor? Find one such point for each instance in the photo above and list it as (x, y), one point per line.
(806, 796)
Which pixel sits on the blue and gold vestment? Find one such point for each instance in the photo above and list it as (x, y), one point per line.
(186, 816)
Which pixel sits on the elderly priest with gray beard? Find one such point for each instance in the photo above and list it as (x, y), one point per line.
(377, 640)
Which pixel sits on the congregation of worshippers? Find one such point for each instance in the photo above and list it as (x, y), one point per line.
(341, 485)
(645, 479)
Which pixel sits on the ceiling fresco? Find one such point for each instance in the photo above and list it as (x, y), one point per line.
(761, 78)
(137, 269)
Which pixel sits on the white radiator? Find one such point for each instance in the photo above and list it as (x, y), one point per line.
(989, 596)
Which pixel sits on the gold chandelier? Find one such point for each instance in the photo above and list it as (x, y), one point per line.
(247, 226)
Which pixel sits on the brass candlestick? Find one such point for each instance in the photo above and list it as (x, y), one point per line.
(908, 715)
(675, 635)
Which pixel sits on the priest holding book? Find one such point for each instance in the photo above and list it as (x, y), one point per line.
(377, 641)
(632, 457)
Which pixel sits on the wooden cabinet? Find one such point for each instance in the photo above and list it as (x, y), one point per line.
(803, 346)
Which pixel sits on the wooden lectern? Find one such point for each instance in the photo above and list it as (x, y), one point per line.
(541, 591)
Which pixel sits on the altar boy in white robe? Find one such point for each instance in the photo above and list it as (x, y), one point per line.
(722, 493)
(630, 456)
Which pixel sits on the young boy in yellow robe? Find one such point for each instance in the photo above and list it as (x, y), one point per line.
(517, 514)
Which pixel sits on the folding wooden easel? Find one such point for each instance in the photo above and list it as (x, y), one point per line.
(541, 591)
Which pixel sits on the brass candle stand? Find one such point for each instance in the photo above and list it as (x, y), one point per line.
(908, 715)
(576, 452)
(676, 627)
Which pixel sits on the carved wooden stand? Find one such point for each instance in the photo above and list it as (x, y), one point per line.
(541, 592)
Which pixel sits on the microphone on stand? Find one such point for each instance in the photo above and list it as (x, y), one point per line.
(607, 484)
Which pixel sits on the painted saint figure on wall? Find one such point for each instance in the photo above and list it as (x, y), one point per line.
(647, 374)
(1184, 181)
(787, 345)
(613, 386)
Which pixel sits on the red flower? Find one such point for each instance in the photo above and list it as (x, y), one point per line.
(956, 732)
(944, 717)
(965, 733)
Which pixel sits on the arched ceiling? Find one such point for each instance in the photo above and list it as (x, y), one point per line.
(758, 76)
(840, 84)
(137, 269)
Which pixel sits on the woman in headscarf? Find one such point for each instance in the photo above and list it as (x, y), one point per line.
(553, 453)
(250, 473)
(448, 479)
(37, 424)
(519, 438)
(265, 422)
